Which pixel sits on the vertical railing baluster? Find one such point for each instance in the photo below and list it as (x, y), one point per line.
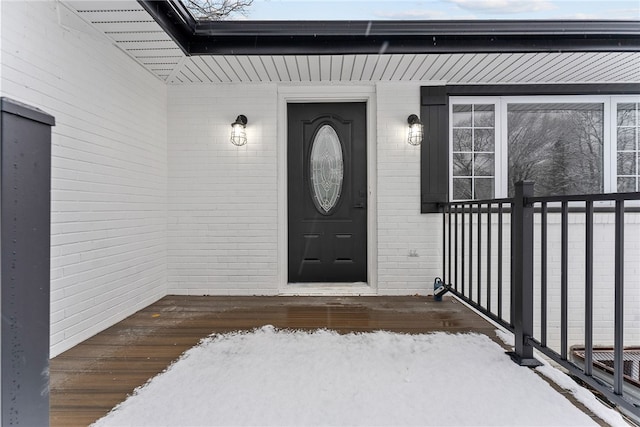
(455, 252)
(479, 255)
(462, 260)
(543, 274)
(512, 280)
(444, 245)
(588, 290)
(449, 247)
(489, 256)
(500, 238)
(471, 251)
(564, 261)
(618, 367)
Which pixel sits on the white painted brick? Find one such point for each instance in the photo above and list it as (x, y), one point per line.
(222, 220)
(109, 166)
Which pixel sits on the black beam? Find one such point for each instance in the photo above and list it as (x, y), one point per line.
(199, 37)
(376, 37)
(174, 20)
(543, 89)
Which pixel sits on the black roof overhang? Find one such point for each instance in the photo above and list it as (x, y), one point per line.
(377, 37)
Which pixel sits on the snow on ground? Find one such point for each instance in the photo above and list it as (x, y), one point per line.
(273, 377)
(581, 394)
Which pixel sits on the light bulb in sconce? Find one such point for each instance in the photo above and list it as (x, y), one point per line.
(239, 131)
(416, 131)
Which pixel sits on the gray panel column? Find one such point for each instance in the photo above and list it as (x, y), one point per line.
(25, 173)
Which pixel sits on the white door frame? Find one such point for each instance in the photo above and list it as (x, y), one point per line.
(327, 93)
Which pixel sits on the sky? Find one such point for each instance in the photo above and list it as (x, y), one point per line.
(442, 9)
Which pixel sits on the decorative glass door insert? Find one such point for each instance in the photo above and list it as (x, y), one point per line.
(326, 169)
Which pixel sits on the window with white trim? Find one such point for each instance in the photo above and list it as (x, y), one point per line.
(565, 144)
(627, 146)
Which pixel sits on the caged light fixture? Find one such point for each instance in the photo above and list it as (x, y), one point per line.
(238, 131)
(415, 130)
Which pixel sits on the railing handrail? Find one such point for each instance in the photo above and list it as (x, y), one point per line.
(603, 197)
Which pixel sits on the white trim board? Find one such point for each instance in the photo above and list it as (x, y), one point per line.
(327, 93)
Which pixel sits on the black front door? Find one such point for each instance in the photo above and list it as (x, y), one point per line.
(327, 192)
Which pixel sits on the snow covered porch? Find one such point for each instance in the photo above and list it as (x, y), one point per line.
(91, 378)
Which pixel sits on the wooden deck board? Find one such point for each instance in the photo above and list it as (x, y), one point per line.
(91, 378)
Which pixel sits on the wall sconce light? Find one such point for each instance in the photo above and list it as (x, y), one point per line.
(238, 131)
(415, 130)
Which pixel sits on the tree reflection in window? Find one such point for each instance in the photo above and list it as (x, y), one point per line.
(559, 146)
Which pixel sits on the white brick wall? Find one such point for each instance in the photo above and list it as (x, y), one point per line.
(223, 202)
(109, 165)
(401, 227)
(223, 199)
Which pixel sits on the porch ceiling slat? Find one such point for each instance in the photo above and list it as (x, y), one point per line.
(138, 36)
(413, 66)
(493, 60)
(451, 67)
(423, 66)
(358, 67)
(539, 65)
(499, 70)
(562, 65)
(606, 72)
(325, 68)
(391, 67)
(216, 71)
(314, 67)
(403, 68)
(336, 67)
(547, 66)
(400, 67)
(596, 65)
(469, 64)
(369, 66)
(523, 61)
(231, 69)
(292, 66)
(521, 72)
(248, 68)
(132, 13)
(127, 26)
(381, 65)
(149, 45)
(194, 69)
(234, 71)
(281, 67)
(347, 67)
(270, 66)
(303, 67)
(238, 68)
(434, 66)
(258, 66)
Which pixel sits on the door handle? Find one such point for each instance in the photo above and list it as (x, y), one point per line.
(358, 206)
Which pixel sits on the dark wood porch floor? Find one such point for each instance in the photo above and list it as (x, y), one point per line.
(91, 378)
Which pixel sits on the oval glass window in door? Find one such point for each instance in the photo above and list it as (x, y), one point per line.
(326, 169)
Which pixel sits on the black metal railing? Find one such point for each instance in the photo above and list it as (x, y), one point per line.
(494, 274)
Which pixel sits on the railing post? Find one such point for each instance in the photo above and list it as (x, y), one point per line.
(522, 243)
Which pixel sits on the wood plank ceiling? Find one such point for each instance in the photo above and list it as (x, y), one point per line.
(134, 31)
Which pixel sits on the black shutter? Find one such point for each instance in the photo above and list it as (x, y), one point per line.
(434, 152)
